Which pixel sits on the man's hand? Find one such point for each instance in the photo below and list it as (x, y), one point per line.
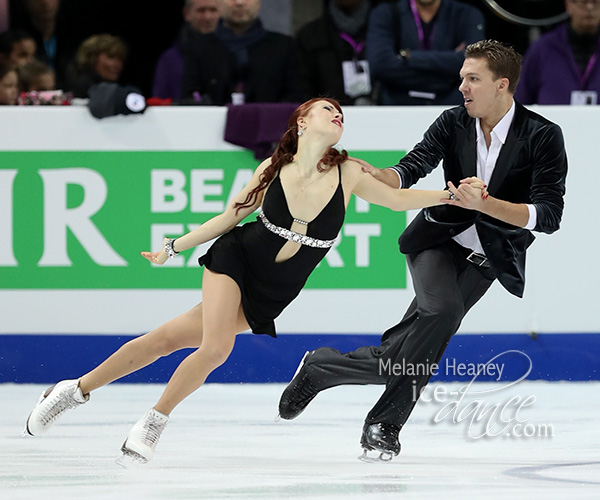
(471, 194)
(366, 166)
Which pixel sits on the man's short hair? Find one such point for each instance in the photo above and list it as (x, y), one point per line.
(503, 60)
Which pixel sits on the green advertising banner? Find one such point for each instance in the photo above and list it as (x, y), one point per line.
(78, 220)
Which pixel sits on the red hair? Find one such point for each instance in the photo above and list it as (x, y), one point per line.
(287, 148)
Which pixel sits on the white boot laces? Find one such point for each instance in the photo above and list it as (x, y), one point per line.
(64, 401)
(153, 429)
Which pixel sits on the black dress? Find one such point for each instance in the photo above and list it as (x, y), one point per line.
(247, 254)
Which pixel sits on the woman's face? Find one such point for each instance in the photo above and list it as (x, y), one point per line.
(324, 120)
(109, 67)
(9, 90)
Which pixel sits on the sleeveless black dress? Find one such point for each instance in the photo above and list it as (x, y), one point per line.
(247, 254)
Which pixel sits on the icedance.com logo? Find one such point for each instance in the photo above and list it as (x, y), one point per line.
(480, 408)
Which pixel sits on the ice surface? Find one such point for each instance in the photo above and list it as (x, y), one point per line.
(223, 442)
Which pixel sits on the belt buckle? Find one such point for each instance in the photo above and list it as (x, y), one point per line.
(477, 259)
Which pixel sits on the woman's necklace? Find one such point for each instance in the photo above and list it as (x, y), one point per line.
(317, 177)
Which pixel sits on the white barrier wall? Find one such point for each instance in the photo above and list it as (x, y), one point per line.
(562, 272)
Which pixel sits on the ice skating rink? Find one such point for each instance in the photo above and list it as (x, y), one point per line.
(223, 442)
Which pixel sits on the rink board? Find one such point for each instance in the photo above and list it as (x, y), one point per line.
(262, 359)
(68, 288)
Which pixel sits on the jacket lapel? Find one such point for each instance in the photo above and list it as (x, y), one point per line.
(510, 149)
(466, 138)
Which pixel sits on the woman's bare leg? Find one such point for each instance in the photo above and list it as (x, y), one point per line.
(184, 331)
(223, 319)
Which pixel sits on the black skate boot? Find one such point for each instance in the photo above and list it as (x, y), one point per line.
(298, 393)
(382, 438)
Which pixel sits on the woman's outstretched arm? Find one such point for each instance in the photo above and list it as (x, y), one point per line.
(217, 225)
(374, 191)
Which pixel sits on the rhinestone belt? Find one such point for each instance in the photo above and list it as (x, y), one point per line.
(294, 236)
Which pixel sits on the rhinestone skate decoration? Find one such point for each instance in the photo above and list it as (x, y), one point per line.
(303, 239)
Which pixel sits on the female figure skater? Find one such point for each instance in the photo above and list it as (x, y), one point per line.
(252, 272)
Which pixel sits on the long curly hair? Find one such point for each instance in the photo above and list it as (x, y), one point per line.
(287, 148)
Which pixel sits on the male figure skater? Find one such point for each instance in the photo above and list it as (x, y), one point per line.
(454, 251)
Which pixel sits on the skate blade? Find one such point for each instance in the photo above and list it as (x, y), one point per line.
(130, 459)
(382, 458)
(277, 418)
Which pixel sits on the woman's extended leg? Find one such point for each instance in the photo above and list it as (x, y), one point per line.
(223, 319)
(181, 332)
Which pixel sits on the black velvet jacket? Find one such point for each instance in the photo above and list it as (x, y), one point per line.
(531, 168)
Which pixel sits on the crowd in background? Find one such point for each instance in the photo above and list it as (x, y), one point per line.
(215, 52)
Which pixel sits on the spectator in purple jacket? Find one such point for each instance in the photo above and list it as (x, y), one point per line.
(201, 17)
(562, 67)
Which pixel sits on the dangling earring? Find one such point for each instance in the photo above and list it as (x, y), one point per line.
(301, 130)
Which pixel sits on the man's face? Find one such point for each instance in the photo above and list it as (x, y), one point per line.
(240, 12)
(427, 3)
(585, 15)
(43, 9)
(202, 15)
(480, 88)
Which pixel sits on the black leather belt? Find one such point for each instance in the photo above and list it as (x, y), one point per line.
(478, 259)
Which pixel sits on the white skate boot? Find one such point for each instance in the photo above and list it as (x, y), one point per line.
(53, 402)
(142, 439)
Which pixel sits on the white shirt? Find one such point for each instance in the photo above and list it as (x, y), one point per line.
(486, 162)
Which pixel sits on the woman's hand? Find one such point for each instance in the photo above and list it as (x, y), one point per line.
(156, 257)
(471, 193)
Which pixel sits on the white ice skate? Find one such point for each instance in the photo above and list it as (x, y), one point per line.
(141, 442)
(53, 402)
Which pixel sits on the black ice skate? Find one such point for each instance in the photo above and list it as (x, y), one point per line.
(299, 392)
(381, 438)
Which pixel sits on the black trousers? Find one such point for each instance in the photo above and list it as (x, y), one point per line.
(446, 286)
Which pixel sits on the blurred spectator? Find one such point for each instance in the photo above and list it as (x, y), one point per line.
(415, 49)
(4, 15)
(562, 66)
(42, 18)
(16, 48)
(201, 17)
(36, 76)
(9, 88)
(241, 61)
(331, 53)
(100, 58)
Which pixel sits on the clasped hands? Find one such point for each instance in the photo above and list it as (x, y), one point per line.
(471, 194)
